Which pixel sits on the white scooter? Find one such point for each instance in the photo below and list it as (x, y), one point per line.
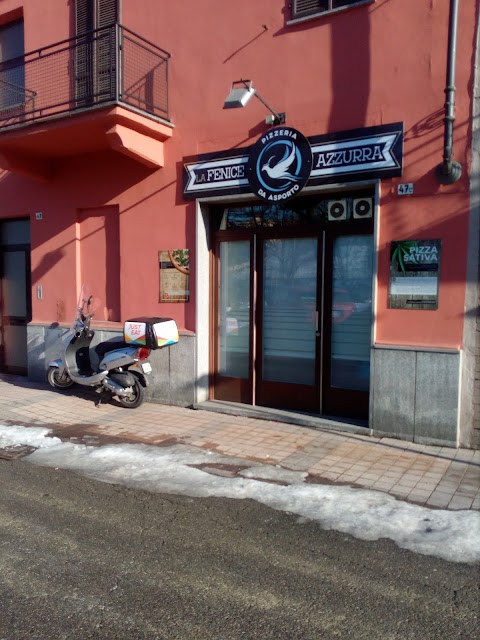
(118, 368)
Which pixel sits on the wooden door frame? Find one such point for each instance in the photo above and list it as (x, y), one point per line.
(242, 389)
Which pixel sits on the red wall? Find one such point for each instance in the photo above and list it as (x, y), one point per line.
(375, 64)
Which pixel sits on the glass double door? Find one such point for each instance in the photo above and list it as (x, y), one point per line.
(293, 322)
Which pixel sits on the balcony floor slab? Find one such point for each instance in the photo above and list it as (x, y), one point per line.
(31, 148)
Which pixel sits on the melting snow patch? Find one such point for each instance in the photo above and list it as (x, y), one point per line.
(32, 436)
(365, 514)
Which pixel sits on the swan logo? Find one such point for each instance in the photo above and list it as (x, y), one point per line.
(279, 164)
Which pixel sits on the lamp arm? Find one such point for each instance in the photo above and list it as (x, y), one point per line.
(276, 115)
(257, 95)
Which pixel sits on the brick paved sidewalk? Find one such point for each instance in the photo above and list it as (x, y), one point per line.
(427, 475)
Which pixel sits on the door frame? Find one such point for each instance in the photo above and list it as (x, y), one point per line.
(15, 320)
(204, 272)
(335, 399)
(242, 389)
(266, 390)
(254, 390)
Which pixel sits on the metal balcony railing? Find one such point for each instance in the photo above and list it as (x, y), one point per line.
(111, 65)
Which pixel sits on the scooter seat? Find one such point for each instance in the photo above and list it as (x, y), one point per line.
(104, 347)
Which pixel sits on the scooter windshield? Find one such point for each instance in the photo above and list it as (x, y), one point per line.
(85, 308)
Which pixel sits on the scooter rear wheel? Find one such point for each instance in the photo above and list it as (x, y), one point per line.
(58, 380)
(135, 398)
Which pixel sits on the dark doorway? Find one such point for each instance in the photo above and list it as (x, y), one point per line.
(15, 295)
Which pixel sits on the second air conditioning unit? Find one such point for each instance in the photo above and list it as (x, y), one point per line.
(337, 209)
(362, 208)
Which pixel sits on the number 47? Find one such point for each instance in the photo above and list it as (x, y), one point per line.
(405, 189)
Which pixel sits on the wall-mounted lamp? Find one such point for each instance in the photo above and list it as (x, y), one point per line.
(240, 94)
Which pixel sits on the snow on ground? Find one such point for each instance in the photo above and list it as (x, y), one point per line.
(365, 514)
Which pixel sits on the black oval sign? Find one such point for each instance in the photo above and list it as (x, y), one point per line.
(279, 164)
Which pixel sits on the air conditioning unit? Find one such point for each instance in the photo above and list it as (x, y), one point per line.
(362, 208)
(337, 209)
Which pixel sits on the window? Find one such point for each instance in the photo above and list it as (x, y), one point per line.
(309, 8)
(94, 14)
(12, 72)
(95, 52)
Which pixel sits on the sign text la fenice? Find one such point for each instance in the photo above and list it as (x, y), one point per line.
(282, 161)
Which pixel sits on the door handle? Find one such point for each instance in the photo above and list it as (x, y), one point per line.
(317, 324)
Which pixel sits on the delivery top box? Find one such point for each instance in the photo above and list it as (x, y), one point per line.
(153, 333)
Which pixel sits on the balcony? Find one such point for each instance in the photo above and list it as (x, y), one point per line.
(106, 89)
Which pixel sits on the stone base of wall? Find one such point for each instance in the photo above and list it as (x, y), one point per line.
(171, 382)
(415, 395)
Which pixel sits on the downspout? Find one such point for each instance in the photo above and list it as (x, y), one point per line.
(450, 171)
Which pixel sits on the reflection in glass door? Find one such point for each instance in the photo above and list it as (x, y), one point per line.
(347, 352)
(351, 312)
(288, 328)
(233, 361)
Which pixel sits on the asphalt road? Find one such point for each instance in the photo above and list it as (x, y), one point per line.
(81, 560)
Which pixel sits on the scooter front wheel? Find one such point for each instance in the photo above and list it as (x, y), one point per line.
(58, 379)
(135, 397)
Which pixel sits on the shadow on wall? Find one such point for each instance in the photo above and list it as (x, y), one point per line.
(48, 261)
(350, 69)
(99, 245)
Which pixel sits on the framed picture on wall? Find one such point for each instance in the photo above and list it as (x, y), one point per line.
(174, 275)
(414, 274)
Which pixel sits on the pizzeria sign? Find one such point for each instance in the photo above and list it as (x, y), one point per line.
(360, 154)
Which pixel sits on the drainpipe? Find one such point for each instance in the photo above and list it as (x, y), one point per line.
(450, 171)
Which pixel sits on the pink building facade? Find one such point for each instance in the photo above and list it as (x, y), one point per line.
(315, 250)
